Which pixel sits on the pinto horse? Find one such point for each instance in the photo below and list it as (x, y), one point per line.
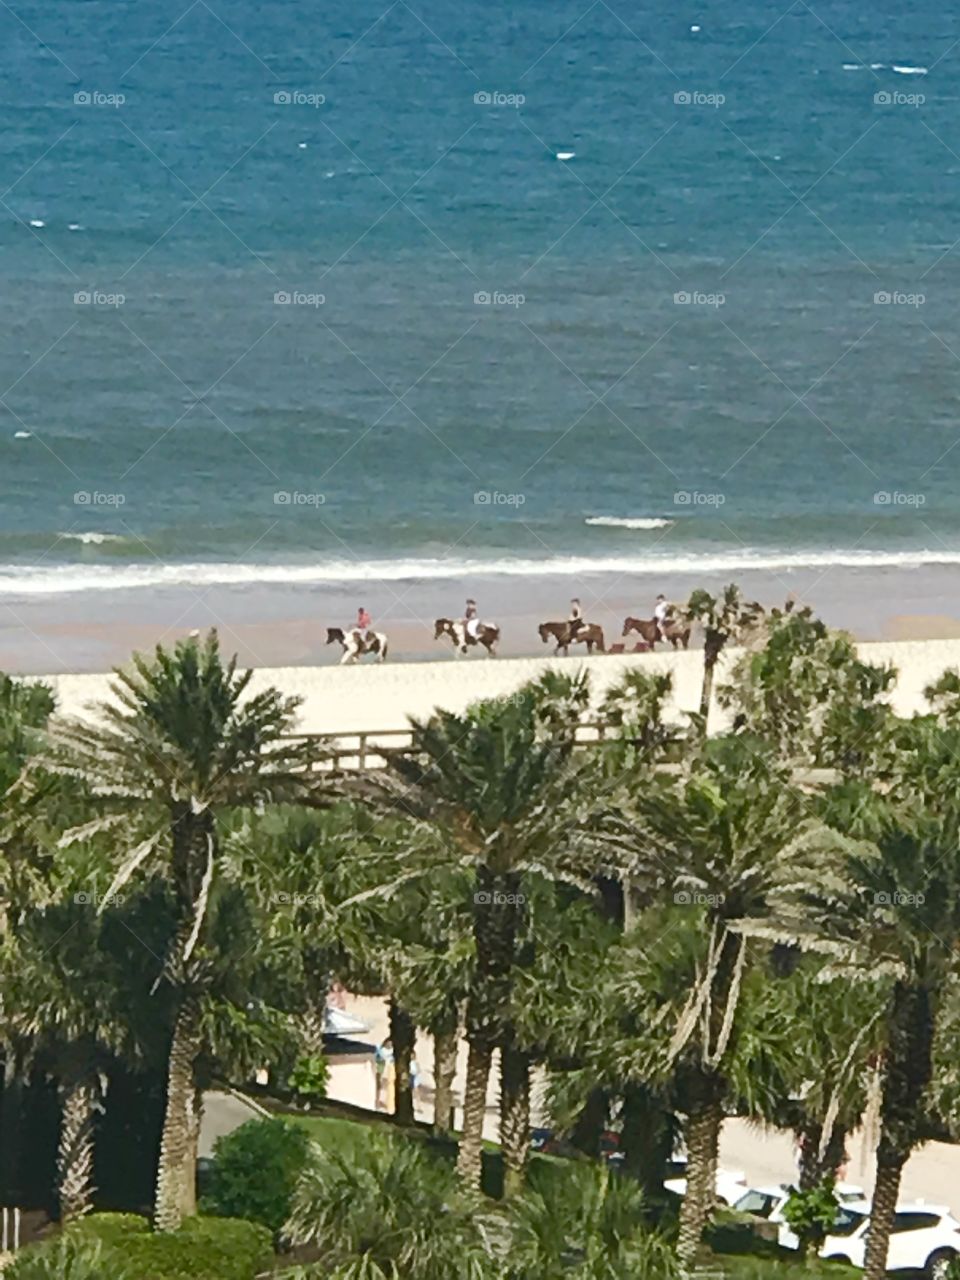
(354, 647)
(677, 633)
(488, 635)
(565, 634)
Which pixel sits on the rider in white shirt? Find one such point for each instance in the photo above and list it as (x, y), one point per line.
(661, 611)
(471, 619)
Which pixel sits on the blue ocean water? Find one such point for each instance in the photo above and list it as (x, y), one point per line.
(721, 332)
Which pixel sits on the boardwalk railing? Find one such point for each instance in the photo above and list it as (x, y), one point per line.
(369, 748)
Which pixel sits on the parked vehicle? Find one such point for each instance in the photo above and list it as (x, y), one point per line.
(925, 1237)
(730, 1186)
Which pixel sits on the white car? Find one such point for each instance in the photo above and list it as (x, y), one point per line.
(925, 1237)
(730, 1186)
(769, 1202)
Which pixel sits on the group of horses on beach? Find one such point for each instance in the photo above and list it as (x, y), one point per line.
(673, 630)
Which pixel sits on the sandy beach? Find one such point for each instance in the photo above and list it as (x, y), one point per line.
(342, 700)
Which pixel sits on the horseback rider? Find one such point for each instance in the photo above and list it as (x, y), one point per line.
(363, 624)
(471, 619)
(575, 620)
(661, 613)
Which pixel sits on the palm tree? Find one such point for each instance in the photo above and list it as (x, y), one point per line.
(182, 740)
(908, 930)
(733, 847)
(807, 692)
(24, 712)
(725, 619)
(490, 787)
(584, 1224)
(389, 1205)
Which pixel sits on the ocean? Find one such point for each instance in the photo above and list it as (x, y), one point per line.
(304, 294)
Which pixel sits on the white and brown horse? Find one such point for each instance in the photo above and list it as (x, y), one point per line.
(567, 633)
(355, 646)
(488, 635)
(673, 630)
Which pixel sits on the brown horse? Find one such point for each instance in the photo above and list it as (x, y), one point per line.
(566, 634)
(676, 632)
(487, 635)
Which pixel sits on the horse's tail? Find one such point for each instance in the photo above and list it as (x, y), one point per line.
(600, 645)
(384, 646)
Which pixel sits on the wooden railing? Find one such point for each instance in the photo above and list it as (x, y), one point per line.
(369, 748)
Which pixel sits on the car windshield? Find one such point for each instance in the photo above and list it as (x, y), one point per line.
(846, 1221)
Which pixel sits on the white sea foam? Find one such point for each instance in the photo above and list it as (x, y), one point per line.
(22, 435)
(37, 222)
(18, 580)
(91, 538)
(909, 71)
(629, 522)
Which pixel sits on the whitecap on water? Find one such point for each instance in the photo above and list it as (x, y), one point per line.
(37, 222)
(908, 71)
(694, 28)
(565, 155)
(91, 538)
(22, 435)
(74, 226)
(302, 146)
(629, 522)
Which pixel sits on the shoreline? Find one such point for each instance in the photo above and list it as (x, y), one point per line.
(283, 625)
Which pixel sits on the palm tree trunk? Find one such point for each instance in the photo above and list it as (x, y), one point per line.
(514, 1116)
(813, 1167)
(886, 1193)
(590, 1123)
(706, 693)
(646, 1138)
(470, 1155)
(75, 1151)
(907, 1069)
(12, 1118)
(703, 1139)
(403, 1037)
(444, 1070)
(176, 1196)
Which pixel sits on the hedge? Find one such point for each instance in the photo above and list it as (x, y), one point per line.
(123, 1245)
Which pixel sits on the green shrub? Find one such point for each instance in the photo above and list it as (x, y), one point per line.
(255, 1170)
(69, 1257)
(203, 1249)
(111, 1228)
(309, 1077)
(811, 1214)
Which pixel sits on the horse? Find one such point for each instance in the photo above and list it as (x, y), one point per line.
(487, 635)
(566, 634)
(673, 630)
(354, 648)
